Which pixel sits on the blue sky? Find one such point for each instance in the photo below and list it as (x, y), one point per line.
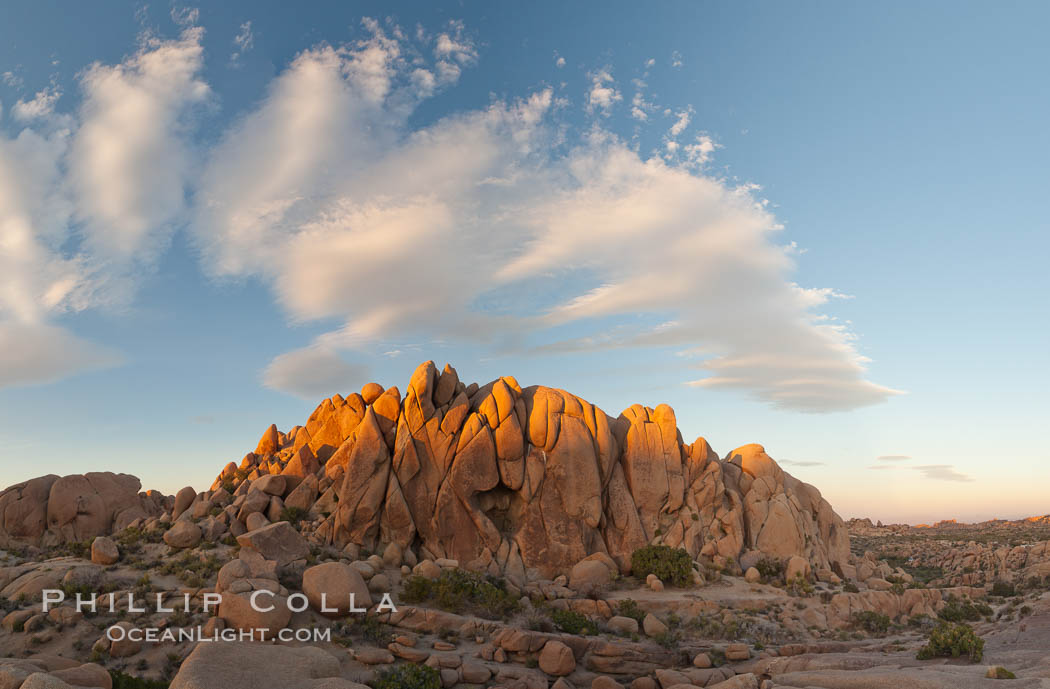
(833, 214)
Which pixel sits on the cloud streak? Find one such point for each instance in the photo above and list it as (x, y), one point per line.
(942, 472)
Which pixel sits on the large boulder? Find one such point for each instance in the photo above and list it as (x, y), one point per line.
(183, 535)
(264, 619)
(240, 665)
(338, 586)
(279, 542)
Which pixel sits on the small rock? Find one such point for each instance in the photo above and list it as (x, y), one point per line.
(738, 652)
(653, 626)
(623, 625)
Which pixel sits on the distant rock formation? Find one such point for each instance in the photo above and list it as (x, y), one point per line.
(506, 479)
(52, 509)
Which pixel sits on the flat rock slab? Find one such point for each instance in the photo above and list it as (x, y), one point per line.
(238, 665)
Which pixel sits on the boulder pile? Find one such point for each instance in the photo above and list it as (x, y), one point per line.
(505, 479)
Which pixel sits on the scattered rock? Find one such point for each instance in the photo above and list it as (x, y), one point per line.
(557, 659)
(104, 551)
(183, 535)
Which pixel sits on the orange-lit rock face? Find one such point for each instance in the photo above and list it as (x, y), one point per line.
(504, 478)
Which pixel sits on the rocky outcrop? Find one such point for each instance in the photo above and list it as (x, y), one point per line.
(504, 478)
(52, 509)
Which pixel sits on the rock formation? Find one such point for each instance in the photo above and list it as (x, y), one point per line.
(50, 509)
(504, 479)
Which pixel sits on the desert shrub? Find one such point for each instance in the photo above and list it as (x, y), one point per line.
(123, 681)
(408, 676)
(963, 611)
(871, 622)
(799, 586)
(850, 587)
(572, 622)
(368, 627)
(81, 549)
(293, 515)
(1004, 589)
(770, 569)
(953, 640)
(539, 623)
(629, 608)
(192, 569)
(922, 621)
(460, 591)
(999, 672)
(671, 565)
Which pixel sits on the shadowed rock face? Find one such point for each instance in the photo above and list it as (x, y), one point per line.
(503, 478)
(50, 509)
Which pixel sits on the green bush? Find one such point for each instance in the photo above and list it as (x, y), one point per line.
(999, 672)
(629, 608)
(770, 569)
(871, 622)
(1004, 589)
(293, 515)
(572, 622)
(123, 681)
(408, 676)
(850, 587)
(671, 565)
(460, 591)
(953, 640)
(963, 611)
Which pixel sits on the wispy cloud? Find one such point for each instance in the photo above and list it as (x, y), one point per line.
(42, 105)
(243, 42)
(893, 458)
(803, 463)
(942, 472)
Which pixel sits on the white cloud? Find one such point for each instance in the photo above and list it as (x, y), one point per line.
(83, 199)
(314, 372)
(680, 124)
(893, 458)
(454, 51)
(11, 79)
(478, 227)
(243, 42)
(40, 107)
(603, 94)
(699, 153)
(133, 117)
(489, 225)
(559, 61)
(676, 59)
